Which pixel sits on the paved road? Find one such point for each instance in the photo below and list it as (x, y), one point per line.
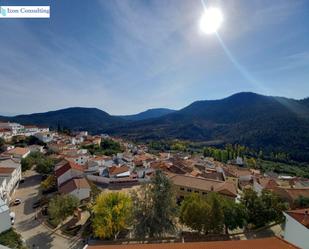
(33, 232)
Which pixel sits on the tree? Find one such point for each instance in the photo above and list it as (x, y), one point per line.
(11, 239)
(111, 214)
(60, 207)
(235, 215)
(194, 213)
(48, 183)
(154, 208)
(264, 208)
(216, 217)
(2, 142)
(45, 165)
(302, 202)
(94, 192)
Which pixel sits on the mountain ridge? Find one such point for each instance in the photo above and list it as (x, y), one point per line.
(255, 120)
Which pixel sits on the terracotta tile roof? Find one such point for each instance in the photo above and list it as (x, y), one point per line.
(268, 183)
(6, 171)
(227, 188)
(5, 130)
(118, 170)
(237, 171)
(18, 151)
(73, 184)
(294, 193)
(301, 215)
(67, 166)
(266, 243)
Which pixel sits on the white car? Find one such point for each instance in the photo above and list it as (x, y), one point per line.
(12, 215)
(16, 202)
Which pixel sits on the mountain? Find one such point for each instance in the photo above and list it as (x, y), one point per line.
(258, 121)
(150, 113)
(274, 124)
(76, 118)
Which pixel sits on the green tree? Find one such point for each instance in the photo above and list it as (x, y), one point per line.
(302, 202)
(194, 213)
(11, 239)
(154, 208)
(111, 214)
(45, 165)
(262, 209)
(60, 207)
(48, 183)
(235, 215)
(216, 217)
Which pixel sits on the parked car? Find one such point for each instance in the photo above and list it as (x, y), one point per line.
(12, 215)
(16, 202)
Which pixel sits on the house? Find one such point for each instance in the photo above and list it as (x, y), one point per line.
(290, 195)
(296, 229)
(3, 183)
(15, 128)
(117, 172)
(36, 148)
(67, 171)
(5, 217)
(185, 185)
(10, 170)
(45, 137)
(30, 130)
(265, 243)
(17, 152)
(6, 134)
(264, 183)
(77, 187)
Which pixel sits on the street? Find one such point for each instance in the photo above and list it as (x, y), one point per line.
(33, 232)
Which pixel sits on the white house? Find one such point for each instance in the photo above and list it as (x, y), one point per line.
(10, 170)
(30, 130)
(297, 227)
(68, 171)
(5, 217)
(3, 183)
(17, 152)
(45, 137)
(14, 127)
(78, 187)
(6, 134)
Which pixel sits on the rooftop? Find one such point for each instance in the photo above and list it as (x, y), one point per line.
(267, 243)
(73, 184)
(301, 215)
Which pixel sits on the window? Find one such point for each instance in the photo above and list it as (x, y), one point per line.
(189, 190)
(182, 189)
(196, 191)
(204, 193)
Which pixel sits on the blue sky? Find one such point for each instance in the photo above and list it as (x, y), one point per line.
(127, 56)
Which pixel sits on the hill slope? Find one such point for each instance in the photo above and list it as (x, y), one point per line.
(76, 118)
(150, 113)
(271, 123)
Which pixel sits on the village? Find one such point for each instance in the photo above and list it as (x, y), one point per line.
(84, 164)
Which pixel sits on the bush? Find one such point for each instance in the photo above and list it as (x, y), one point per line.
(11, 239)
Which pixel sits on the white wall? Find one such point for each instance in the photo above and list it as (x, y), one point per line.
(81, 194)
(5, 217)
(296, 233)
(70, 174)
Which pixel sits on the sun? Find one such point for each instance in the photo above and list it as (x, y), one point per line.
(211, 20)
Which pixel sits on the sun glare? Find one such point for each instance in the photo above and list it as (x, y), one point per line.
(211, 20)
